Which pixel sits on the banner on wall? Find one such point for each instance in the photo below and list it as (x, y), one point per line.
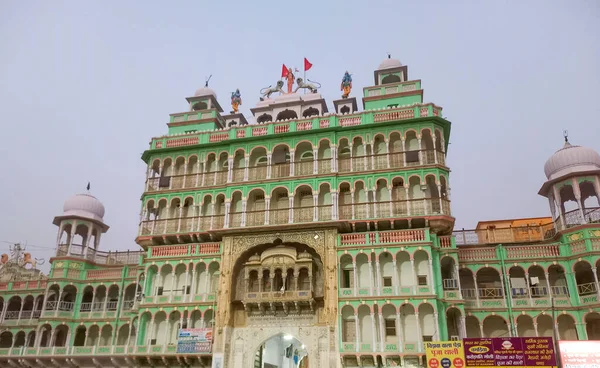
(579, 354)
(509, 352)
(445, 354)
(194, 340)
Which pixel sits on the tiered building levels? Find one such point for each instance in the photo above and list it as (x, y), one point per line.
(331, 232)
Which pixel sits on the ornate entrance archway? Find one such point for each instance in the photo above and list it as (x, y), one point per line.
(278, 284)
(281, 351)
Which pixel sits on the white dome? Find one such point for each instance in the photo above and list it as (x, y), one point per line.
(571, 159)
(389, 63)
(205, 91)
(84, 205)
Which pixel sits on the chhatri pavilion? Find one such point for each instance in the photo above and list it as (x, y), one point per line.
(308, 238)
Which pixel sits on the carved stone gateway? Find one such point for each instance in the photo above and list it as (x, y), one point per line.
(239, 334)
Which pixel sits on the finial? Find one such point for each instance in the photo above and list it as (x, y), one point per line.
(88, 186)
(566, 135)
(389, 55)
(207, 80)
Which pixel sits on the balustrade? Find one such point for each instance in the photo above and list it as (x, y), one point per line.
(280, 216)
(380, 161)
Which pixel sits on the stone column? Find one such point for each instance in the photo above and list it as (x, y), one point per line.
(316, 208)
(227, 220)
(246, 163)
(351, 157)
(528, 288)
(463, 326)
(292, 159)
(407, 200)
(230, 169)
(558, 201)
(198, 173)
(548, 284)
(291, 210)
(244, 207)
(387, 152)
(395, 281)
(373, 332)
(436, 332)
(535, 327)
(421, 160)
(354, 276)
(70, 240)
(180, 217)
(476, 291)
(457, 275)
(212, 214)
(267, 209)
(431, 277)
(334, 204)
(372, 155)
(403, 150)
(419, 333)
(269, 165)
(358, 337)
(439, 186)
(577, 192)
(381, 332)
(193, 284)
(391, 202)
(315, 161)
(172, 285)
(552, 206)
(334, 159)
(399, 333)
(378, 275)
(371, 283)
(414, 275)
(352, 201)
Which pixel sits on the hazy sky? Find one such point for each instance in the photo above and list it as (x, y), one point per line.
(84, 86)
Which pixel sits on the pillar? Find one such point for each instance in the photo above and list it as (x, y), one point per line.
(403, 151)
(334, 204)
(560, 206)
(431, 278)
(476, 292)
(355, 277)
(358, 339)
(595, 272)
(399, 333)
(316, 208)
(371, 283)
(229, 169)
(292, 159)
(395, 281)
(373, 332)
(244, 206)
(246, 163)
(414, 275)
(172, 285)
(267, 209)
(419, 333)
(381, 332)
(458, 280)
(227, 221)
(269, 165)
(315, 160)
(291, 210)
(334, 159)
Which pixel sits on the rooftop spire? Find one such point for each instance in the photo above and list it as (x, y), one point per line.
(88, 186)
(566, 135)
(207, 80)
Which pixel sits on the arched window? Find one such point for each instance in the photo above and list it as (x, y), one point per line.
(310, 112)
(287, 114)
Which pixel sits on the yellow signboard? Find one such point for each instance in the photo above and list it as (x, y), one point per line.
(445, 354)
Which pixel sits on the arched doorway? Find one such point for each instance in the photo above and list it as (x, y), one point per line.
(280, 351)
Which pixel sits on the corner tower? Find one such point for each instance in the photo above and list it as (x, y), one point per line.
(80, 226)
(573, 180)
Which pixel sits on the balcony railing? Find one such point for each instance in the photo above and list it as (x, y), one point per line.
(523, 234)
(85, 351)
(281, 216)
(345, 164)
(99, 257)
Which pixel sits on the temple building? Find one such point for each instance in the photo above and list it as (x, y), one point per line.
(308, 238)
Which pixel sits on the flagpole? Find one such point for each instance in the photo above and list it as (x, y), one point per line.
(304, 78)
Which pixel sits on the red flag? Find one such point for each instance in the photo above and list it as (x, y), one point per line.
(307, 64)
(284, 71)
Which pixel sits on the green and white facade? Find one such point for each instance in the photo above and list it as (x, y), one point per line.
(334, 228)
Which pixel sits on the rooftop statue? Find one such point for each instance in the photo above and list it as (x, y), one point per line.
(267, 91)
(346, 86)
(290, 80)
(236, 100)
(311, 87)
(19, 265)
